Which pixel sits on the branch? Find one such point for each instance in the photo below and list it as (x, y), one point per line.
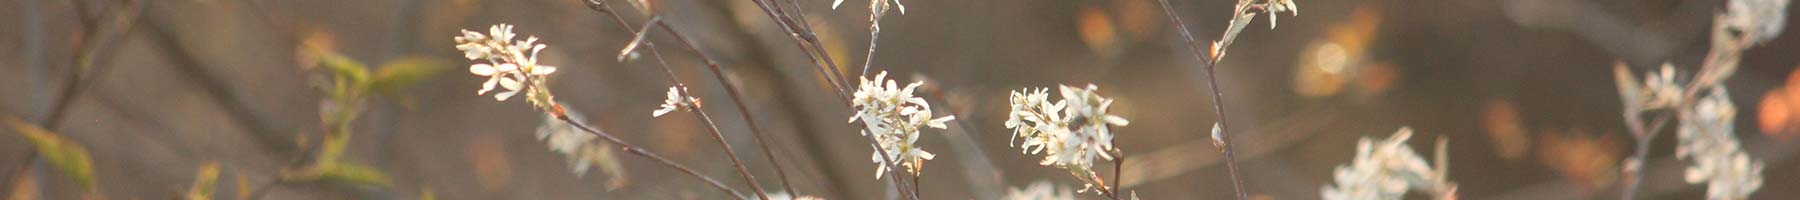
(681, 88)
(1211, 63)
(641, 152)
(737, 99)
(713, 65)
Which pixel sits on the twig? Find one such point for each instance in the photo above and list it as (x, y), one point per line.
(1118, 166)
(1100, 184)
(723, 143)
(804, 32)
(641, 152)
(802, 37)
(874, 33)
(1212, 78)
(737, 99)
(681, 89)
(808, 42)
(713, 65)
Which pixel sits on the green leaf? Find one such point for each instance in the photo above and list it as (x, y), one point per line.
(338, 172)
(67, 156)
(353, 174)
(400, 73)
(343, 66)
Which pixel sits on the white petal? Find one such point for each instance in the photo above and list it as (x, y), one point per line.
(939, 122)
(1117, 121)
(902, 6)
(659, 112)
(502, 96)
(510, 83)
(489, 85)
(482, 69)
(834, 5)
(507, 67)
(543, 70)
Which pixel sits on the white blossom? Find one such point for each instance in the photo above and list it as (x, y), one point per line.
(1705, 134)
(675, 102)
(1384, 169)
(508, 63)
(1070, 132)
(894, 116)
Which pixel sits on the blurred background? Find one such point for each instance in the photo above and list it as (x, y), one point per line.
(1522, 90)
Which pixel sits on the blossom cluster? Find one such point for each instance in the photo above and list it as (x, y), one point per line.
(1705, 134)
(508, 64)
(1384, 169)
(582, 150)
(894, 116)
(1070, 132)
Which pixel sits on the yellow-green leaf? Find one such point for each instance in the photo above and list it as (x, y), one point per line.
(353, 174)
(400, 73)
(67, 156)
(204, 182)
(344, 66)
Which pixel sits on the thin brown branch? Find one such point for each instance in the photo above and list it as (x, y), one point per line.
(802, 35)
(712, 65)
(1118, 166)
(874, 33)
(736, 99)
(1212, 78)
(808, 42)
(681, 89)
(641, 152)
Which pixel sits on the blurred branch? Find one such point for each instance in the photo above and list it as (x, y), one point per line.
(978, 169)
(185, 60)
(91, 60)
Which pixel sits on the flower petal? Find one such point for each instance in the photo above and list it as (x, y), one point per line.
(482, 69)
